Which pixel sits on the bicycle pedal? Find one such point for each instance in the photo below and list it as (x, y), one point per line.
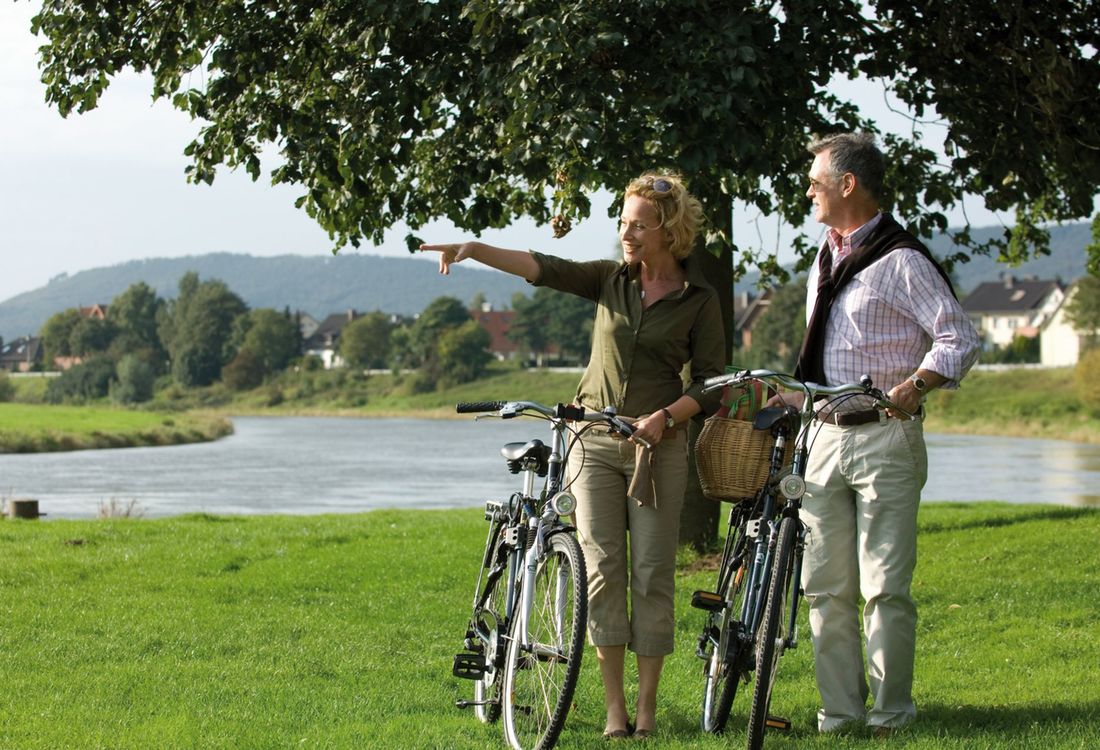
(778, 723)
(469, 666)
(707, 600)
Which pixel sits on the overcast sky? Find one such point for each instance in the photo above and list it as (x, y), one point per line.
(108, 186)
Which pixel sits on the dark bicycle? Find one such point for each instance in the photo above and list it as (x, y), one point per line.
(753, 610)
(526, 634)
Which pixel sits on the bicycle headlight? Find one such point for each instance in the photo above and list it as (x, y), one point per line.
(563, 503)
(792, 486)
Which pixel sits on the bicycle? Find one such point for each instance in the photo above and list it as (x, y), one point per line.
(753, 610)
(525, 637)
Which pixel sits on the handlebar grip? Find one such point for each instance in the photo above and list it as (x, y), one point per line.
(470, 407)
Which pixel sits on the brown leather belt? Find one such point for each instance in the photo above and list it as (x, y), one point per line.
(852, 418)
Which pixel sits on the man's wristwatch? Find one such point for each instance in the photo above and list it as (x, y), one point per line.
(669, 421)
(918, 382)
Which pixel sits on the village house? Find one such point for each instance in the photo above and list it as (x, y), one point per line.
(1060, 344)
(1002, 310)
(21, 354)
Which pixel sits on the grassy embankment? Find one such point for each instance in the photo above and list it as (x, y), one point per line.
(27, 428)
(338, 632)
(1031, 403)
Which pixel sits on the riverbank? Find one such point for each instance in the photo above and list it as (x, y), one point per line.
(339, 631)
(1015, 403)
(38, 428)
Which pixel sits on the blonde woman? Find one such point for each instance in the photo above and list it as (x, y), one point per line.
(654, 315)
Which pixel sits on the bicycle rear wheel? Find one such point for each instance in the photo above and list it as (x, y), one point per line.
(724, 664)
(540, 673)
(773, 634)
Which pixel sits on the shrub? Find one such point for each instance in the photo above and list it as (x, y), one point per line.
(83, 382)
(244, 373)
(1086, 379)
(7, 389)
(135, 381)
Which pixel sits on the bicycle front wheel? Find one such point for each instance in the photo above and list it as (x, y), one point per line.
(725, 664)
(541, 670)
(773, 636)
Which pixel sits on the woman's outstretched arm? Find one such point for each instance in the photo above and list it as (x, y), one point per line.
(516, 262)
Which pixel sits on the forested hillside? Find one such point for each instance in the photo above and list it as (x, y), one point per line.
(1066, 260)
(318, 285)
(324, 284)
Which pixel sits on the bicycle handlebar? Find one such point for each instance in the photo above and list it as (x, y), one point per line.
(471, 407)
(812, 390)
(567, 413)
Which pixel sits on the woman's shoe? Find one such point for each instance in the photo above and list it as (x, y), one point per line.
(620, 734)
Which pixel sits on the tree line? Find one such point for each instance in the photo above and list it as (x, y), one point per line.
(208, 334)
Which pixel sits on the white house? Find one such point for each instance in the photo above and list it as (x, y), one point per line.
(1061, 344)
(1002, 310)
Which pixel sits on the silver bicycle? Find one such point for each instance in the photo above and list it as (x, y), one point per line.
(526, 633)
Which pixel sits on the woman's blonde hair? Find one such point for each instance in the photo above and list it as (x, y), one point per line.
(680, 213)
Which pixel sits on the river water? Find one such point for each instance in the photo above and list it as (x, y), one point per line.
(339, 465)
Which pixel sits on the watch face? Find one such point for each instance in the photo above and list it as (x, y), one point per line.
(918, 382)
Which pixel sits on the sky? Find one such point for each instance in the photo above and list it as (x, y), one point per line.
(108, 186)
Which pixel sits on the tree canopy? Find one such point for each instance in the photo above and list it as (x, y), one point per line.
(484, 110)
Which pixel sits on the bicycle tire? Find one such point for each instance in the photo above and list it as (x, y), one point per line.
(773, 635)
(541, 675)
(723, 666)
(487, 690)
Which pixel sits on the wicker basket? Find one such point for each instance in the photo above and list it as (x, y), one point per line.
(732, 458)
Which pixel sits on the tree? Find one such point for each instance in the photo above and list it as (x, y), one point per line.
(82, 382)
(441, 315)
(552, 317)
(244, 372)
(777, 335)
(365, 341)
(271, 337)
(196, 328)
(463, 353)
(90, 335)
(1083, 308)
(133, 313)
(56, 333)
(481, 111)
(134, 381)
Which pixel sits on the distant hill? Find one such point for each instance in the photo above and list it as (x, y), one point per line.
(1066, 260)
(316, 285)
(320, 285)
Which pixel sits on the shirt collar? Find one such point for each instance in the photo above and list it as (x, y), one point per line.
(693, 273)
(841, 246)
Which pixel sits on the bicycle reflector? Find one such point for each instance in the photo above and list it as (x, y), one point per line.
(563, 503)
(792, 486)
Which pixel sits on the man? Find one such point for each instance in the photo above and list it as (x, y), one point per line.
(878, 304)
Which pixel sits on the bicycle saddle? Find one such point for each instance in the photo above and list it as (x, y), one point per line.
(516, 453)
(770, 416)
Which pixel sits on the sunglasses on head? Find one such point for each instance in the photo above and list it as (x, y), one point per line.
(661, 185)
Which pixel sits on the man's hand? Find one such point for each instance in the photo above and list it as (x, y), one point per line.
(905, 395)
(790, 398)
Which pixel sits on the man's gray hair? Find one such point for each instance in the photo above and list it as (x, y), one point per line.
(855, 153)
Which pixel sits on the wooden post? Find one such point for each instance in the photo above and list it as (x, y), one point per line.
(23, 508)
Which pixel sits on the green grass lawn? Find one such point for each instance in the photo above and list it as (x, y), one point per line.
(338, 632)
(44, 427)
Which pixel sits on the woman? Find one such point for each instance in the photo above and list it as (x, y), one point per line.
(654, 315)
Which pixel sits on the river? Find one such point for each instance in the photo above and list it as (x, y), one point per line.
(342, 465)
